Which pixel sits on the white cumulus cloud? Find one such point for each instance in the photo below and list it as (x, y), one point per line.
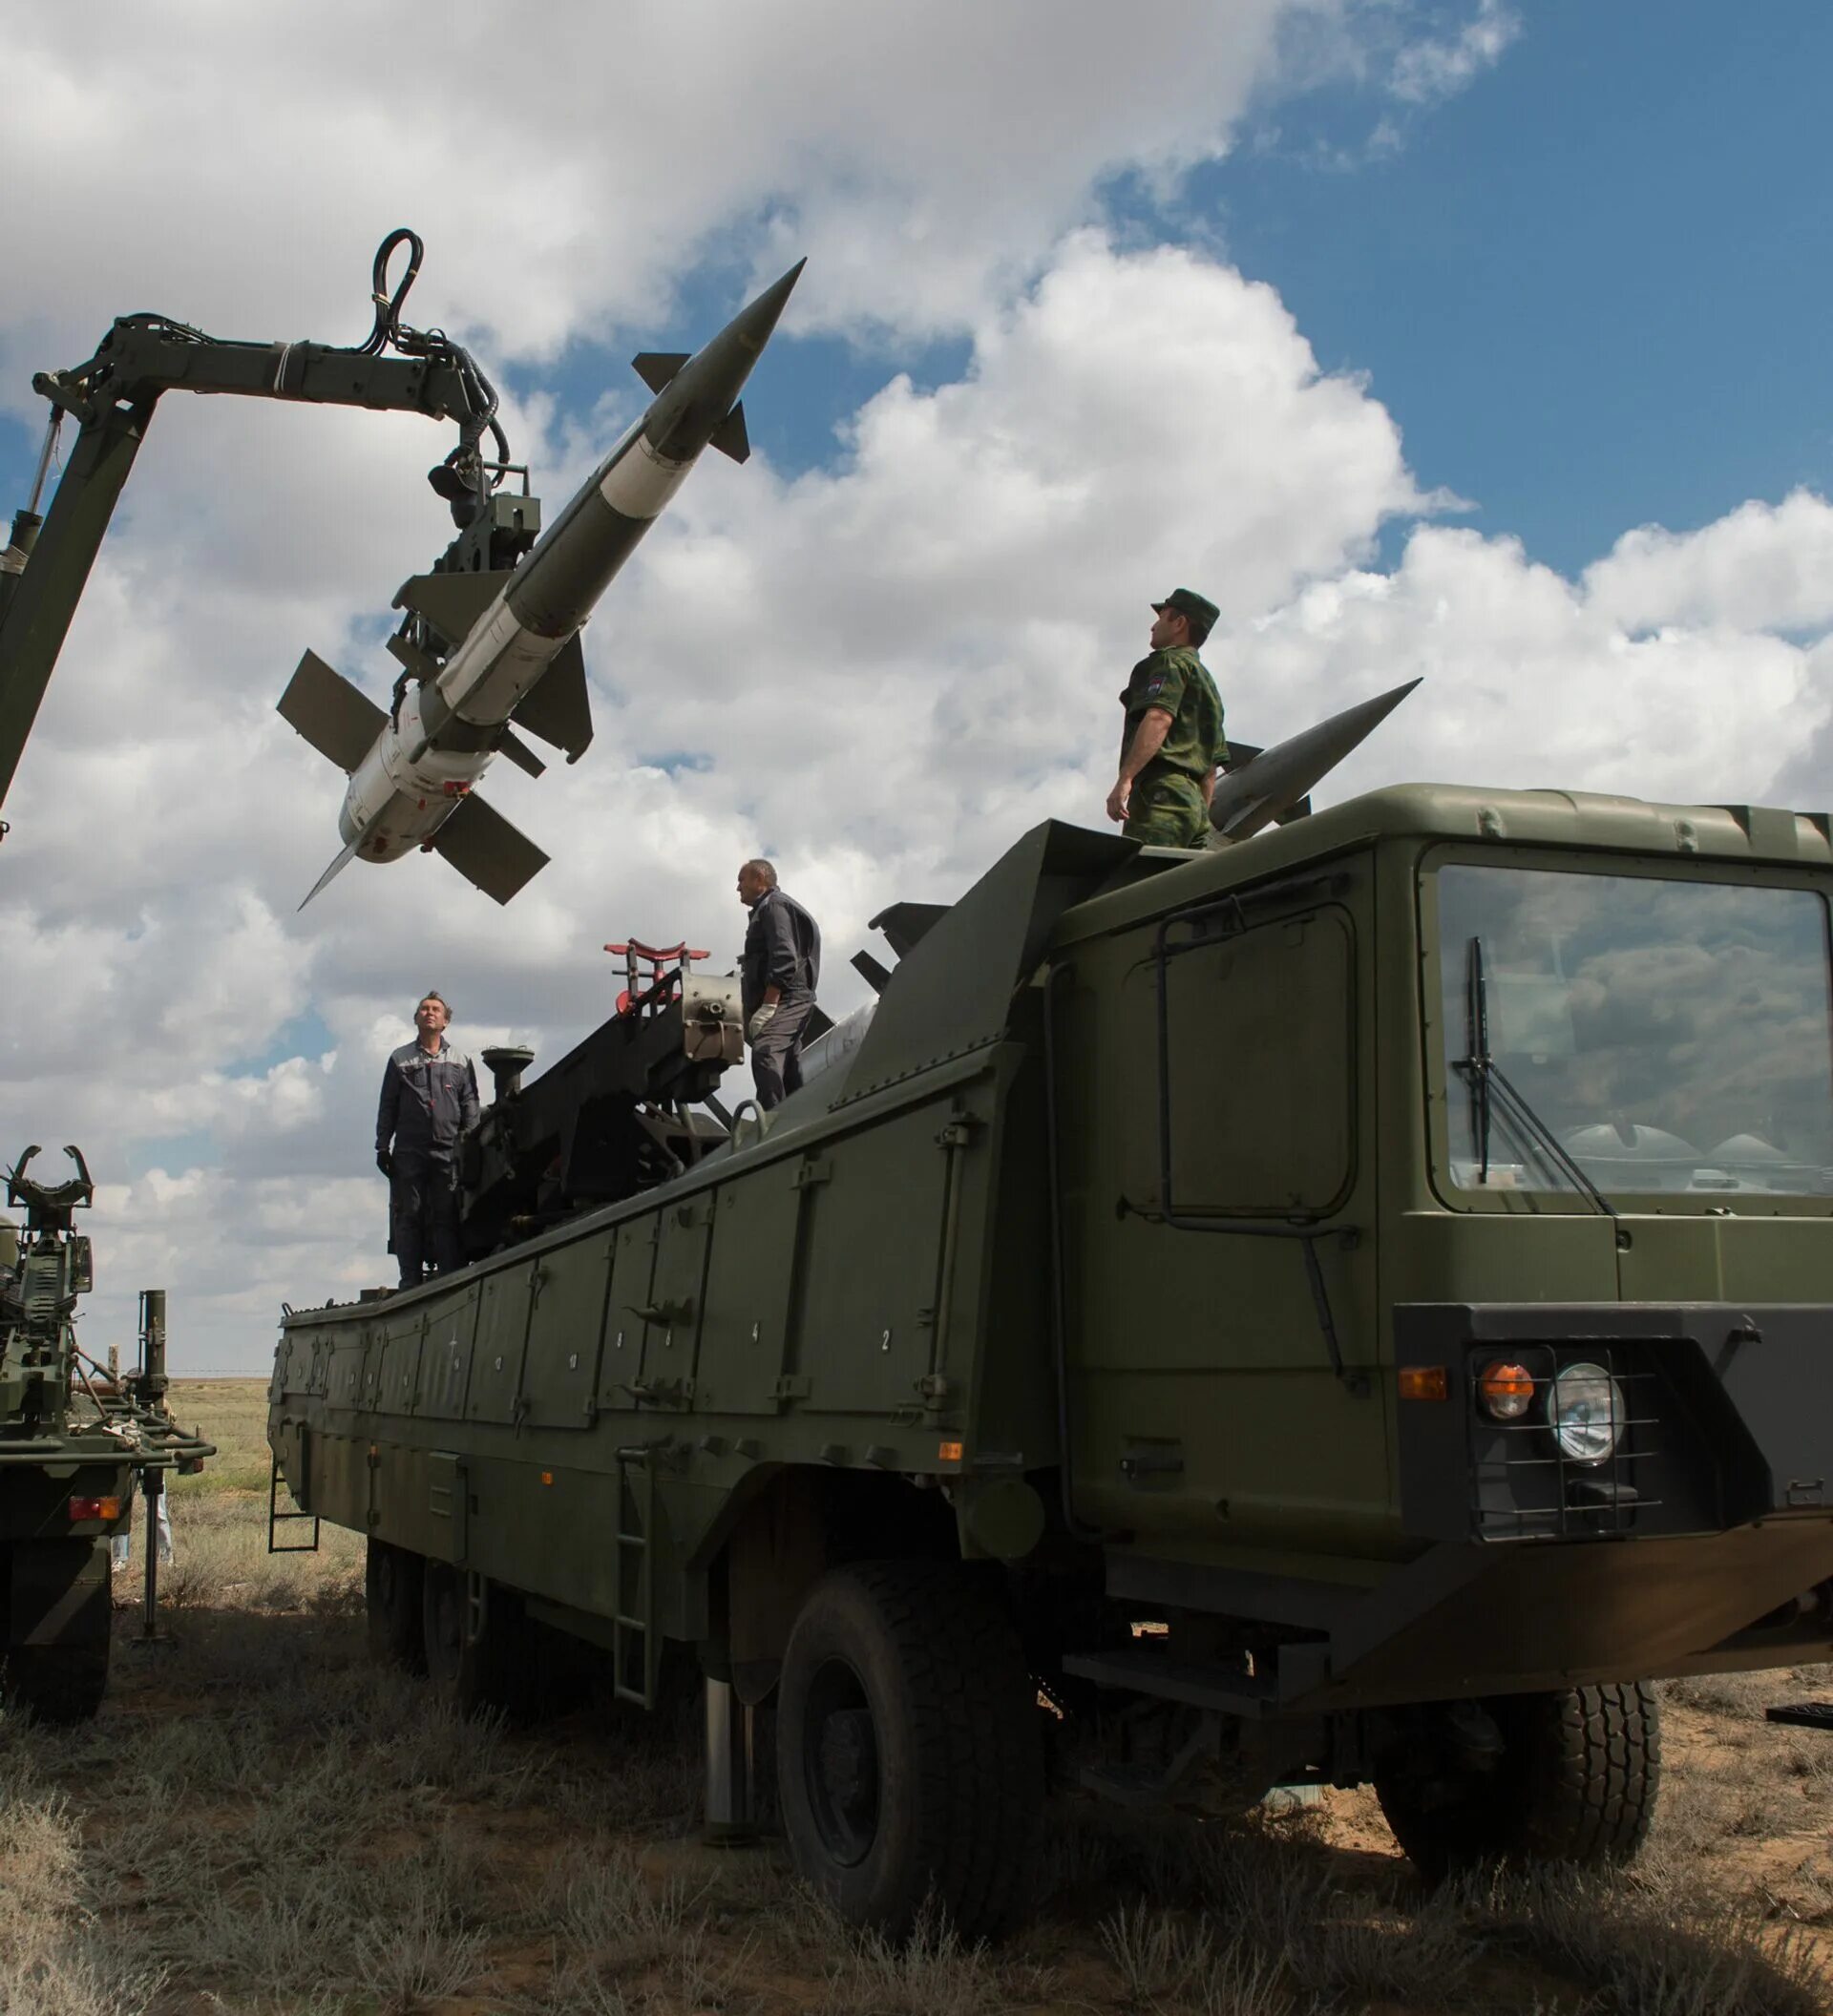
(879, 671)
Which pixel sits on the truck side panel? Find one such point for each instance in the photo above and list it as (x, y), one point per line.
(565, 1334)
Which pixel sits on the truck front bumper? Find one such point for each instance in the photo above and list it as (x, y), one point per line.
(1701, 1540)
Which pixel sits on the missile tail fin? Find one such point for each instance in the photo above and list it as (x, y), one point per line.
(451, 602)
(333, 715)
(658, 368)
(557, 706)
(730, 436)
(341, 862)
(486, 849)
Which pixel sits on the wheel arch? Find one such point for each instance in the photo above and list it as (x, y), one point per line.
(790, 1531)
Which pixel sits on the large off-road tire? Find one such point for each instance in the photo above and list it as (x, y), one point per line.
(472, 1672)
(58, 1624)
(504, 1666)
(910, 1761)
(393, 1594)
(1573, 1779)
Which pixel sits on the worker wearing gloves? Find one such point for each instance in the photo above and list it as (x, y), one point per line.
(779, 971)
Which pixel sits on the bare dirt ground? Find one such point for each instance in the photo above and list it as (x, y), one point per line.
(260, 1820)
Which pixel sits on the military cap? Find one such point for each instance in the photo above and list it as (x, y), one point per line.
(1188, 603)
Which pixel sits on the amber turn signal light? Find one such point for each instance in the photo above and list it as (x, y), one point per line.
(94, 1509)
(1506, 1390)
(1425, 1382)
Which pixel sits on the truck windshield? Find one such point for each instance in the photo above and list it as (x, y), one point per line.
(1670, 1036)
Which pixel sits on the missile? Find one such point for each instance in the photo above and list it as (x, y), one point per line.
(1272, 781)
(516, 659)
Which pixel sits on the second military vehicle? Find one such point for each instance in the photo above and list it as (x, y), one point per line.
(1351, 1305)
(74, 1443)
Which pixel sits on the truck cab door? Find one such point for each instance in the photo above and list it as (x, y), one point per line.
(1214, 1093)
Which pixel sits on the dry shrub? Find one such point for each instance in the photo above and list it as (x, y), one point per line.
(221, 1563)
(699, 1976)
(400, 1928)
(1654, 1948)
(576, 1990)
(1743, 1696)
(56, 1958)
(931, 1973)
(610, 1908)
(1165, 1957)
(1275, 1931)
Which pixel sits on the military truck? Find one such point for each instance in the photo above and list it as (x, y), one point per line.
(1354, 1305)
(73, 1444)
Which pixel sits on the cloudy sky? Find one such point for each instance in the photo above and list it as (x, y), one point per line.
(1480, 340)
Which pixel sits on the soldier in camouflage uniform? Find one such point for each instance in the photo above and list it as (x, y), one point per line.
(1172, 738)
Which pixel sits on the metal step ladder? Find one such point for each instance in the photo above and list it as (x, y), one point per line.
(276, 1517)
(633, 1619)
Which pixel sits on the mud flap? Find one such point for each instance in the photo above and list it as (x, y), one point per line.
(59, 1625)
(60, 1593)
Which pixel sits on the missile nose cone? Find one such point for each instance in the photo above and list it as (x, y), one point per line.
(688, 413)
(756, 324)
(1253, 797)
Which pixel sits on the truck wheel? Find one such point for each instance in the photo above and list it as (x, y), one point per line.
(910, 1762)
(391, 1594)
(1570, 1776)
(58, 1602)
(493, 1671)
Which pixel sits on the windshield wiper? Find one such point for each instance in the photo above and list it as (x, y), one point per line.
(1491, 1087)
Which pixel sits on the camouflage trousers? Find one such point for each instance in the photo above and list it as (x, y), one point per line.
(1167, 810)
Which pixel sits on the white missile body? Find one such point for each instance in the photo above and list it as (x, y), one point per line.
(412, 769)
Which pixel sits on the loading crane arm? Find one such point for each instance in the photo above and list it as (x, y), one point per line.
(111, 397)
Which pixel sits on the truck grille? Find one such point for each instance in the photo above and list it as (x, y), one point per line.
(1526, 1485)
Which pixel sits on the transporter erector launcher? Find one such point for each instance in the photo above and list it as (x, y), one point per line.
(485, 646)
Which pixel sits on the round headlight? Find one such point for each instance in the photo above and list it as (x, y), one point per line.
(1586, 1413)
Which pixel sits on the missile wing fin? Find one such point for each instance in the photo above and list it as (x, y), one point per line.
(730, 436)
(904, 924)
(875, 974)
(451, 602)
(556, 707)
(510, 744)
(486, 849)
(658, 368)
(333, 715)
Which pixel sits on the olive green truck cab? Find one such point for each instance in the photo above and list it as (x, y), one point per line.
(1354, 1305)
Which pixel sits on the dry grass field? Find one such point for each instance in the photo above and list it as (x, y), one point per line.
(261, 1821)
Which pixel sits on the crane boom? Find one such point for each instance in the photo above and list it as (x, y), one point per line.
(112, 399)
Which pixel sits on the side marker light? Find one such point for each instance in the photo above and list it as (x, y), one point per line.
(948, 1452)
(1506, 1390)
(1425, 1382)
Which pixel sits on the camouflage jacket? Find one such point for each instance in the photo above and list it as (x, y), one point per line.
(1177, 680)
